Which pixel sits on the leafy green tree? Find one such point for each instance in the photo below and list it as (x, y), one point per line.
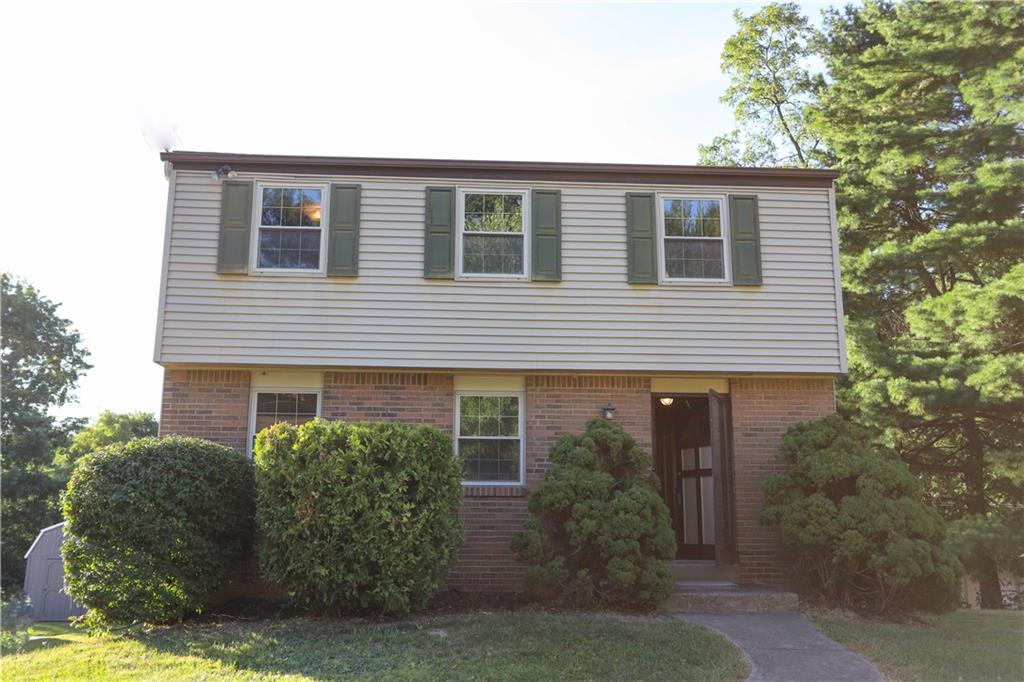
(770, 90)
(924, 120)
(108, 429)
(921, 108)
(41, 359)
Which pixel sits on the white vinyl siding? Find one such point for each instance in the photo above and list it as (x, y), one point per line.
(591, 321)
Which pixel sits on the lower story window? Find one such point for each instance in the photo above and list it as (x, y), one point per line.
(293, 408)
(489, 440)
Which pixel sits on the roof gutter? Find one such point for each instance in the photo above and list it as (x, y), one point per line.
(504, 170)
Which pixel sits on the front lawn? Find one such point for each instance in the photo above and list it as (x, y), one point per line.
(963, 645)
(479, 646)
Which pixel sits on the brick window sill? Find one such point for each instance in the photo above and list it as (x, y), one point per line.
(494, 491)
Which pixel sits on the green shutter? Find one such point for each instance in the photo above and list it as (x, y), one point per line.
(744, 230)
(641, 238)
(439, 239)
(235, 223)
(343, 238)
(546, 225)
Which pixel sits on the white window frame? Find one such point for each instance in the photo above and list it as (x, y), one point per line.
(257, 220)
(251, 431)
(460, 213)
(663, 277)
(522, 435)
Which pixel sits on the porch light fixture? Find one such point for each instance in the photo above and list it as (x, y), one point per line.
(609, 411)
(225, 171)
(666, 401)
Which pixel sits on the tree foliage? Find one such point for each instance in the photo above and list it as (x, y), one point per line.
(153, 526)
(108, 429)
(357, 517)
(921, 109)
(41, 359)
(862, 536)
(924, 121)
(770, 90)
(599, 530)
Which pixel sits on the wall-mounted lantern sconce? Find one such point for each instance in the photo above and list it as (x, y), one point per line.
(609, 411)
(666, 401)
(225, 171)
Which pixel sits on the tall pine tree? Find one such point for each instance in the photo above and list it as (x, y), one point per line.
(921, 108)
(924, 117)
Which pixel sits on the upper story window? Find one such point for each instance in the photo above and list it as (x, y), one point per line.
(289, 229)
(693, 238)
(492, 239)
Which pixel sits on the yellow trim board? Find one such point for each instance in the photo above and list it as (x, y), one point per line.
(472, 382)
(269, 378)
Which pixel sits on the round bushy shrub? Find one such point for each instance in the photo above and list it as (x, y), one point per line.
(153, 527)
(860, 533)
(357, 517)
(599, 530)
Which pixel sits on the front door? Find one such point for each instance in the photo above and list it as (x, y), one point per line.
(684, 463)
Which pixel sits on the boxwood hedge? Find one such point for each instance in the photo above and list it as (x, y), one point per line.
(153, 527)
(357, 517)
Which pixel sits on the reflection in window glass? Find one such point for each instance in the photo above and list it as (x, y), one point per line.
(285, 242)
(694, 247)
(492, 240)
(293, 408)
(489, 439)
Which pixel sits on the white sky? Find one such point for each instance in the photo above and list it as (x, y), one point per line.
(86, 196)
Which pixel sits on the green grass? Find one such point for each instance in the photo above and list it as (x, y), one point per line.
(963, 645)
(478, 646)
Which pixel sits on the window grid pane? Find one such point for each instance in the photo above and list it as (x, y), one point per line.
(694, 258)
(291, 206)
(289, 248)
(492, 241)
(493, 213)
(292, 408)
(492, 254)
(692, 217)
(489, 443)
(490, 459)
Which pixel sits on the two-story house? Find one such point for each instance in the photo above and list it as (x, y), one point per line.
(509, 303)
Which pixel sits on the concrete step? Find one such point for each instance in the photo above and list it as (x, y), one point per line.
(701, 570)
(716, 596)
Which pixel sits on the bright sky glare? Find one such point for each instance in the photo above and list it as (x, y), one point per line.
(86, 195)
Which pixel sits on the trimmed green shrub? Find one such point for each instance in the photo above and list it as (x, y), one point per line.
(852, 514)
(153, 527)
(599, 532)
(357, 516)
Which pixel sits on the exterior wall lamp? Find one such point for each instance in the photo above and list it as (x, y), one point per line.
(666, 401)
(609, 411)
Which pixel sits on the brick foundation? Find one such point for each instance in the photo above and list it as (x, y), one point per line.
(762, 410)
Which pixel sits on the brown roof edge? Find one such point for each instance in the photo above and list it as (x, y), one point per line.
(505, 170)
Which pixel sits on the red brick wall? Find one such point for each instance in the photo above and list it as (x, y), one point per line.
(762, 410)
(561, 404)
(412, 397)
(206, 403)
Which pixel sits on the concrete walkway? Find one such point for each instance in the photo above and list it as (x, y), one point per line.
(786, 647)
